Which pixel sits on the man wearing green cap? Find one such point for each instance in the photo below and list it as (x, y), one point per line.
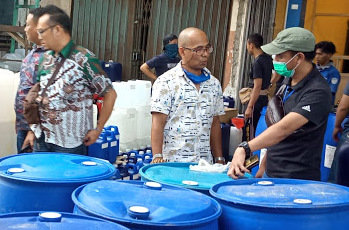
(294, 144)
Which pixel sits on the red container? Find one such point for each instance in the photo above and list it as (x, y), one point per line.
(238, 122)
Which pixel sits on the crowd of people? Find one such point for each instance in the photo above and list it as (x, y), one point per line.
(186, 98)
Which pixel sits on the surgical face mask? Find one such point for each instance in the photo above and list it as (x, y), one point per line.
(171, 50)
(281, 68)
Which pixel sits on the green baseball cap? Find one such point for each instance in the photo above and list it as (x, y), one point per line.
(295, 39)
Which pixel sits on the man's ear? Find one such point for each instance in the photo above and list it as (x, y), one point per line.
(181, 52)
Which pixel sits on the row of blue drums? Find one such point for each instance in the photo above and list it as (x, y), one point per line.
(65, 191)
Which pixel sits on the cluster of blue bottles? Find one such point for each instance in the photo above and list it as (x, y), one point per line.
(107, 145)
(131, 161)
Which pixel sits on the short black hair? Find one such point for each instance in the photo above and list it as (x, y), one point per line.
(326, 47)
(37, 13)
(168, 38)
(256, 39)
(58, 17)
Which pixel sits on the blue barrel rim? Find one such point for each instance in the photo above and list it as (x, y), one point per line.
(223, 198)
(143, 174)
(112, 170)
(83, 207)
(64, 214)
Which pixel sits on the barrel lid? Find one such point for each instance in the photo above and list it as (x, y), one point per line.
(281, 193)
(55, 167)
(43, 220)
(146, 203)
(179, 174)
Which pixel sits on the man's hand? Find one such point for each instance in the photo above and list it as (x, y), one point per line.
(158, 160)
(336, 132)
(29, 140)
(237, 167)
(91, 137)
(248, 113)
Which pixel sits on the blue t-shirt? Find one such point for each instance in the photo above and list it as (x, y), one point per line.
(162, 63)
(332, 76)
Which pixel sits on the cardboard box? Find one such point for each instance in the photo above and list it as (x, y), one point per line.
(229, 114)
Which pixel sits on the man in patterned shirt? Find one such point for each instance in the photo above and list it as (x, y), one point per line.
(66, 112)
(185, 105)
(27, 75)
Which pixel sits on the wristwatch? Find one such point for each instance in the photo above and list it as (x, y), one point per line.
(158, 155)
(246, 147)
(219, 159)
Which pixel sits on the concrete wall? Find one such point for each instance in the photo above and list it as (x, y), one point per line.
(236, 54)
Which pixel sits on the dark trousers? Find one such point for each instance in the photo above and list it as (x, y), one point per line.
(41, 146)
(21, 134)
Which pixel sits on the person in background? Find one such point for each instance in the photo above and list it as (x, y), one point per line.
(294, 144)
(27, 75)
(66, 115)
(323, 53)
(185, 105)
(259, 78)
(340, 134)
(165, 61)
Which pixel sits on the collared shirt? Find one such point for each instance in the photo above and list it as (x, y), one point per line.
(27, 76)
(190, 114)
(298, 156)
(66, 111)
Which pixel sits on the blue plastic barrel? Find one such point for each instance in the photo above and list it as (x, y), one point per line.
(54, 221)
(285, 204)
(179, 174)
(45, 181)
(147, 205)
(329, 147)
(261, 126)
(113, 70)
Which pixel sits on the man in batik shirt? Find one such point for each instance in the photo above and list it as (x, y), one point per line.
(27, 75)
(66, 111)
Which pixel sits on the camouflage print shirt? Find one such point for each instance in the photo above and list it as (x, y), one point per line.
(66, 112)
(190, 114)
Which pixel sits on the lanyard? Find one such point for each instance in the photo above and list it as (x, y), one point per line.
(287, 95)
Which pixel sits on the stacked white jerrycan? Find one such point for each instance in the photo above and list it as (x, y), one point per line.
(8, 87)
(131, 113)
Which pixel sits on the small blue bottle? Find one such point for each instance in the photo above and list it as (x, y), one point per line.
(113, 149)
(99, 149)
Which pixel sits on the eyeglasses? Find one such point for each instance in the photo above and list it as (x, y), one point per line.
(200, 50)
(40, 32)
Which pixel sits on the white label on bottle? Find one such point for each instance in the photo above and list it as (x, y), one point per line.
(112, 144)
(117, 137)
(107, 65)
(105, 145)
(329, 154)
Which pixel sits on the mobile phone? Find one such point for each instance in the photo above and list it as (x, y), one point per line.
(251, 162)
(27, 149)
